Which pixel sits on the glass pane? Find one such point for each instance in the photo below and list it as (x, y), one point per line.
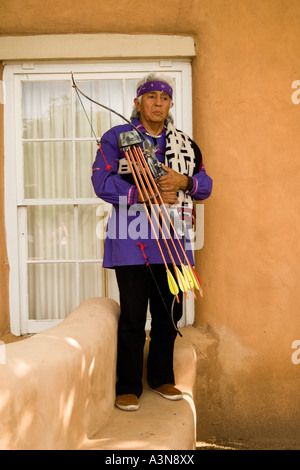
(130, 87)
(46, 110)
(48, 170)
(107, 92)
(85, 156)
(51, 291)
(51, 232)
(91, 231)
(90, 281)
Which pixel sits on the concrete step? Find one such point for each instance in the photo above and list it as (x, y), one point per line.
(158, 424)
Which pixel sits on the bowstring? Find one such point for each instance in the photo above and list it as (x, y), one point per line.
(86, 114)
(170, 314)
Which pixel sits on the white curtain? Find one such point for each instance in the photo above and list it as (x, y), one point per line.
(63, 251)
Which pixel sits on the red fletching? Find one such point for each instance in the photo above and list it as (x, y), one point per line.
(143, 252)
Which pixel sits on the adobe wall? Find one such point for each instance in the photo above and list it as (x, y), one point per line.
(248, 129)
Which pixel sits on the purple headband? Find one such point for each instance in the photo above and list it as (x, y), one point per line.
(154, 86)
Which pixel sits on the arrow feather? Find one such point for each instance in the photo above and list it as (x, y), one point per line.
(196, 280)
(172, 283)
(187, 277)
(181, 281)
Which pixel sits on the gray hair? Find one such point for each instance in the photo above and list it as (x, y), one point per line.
(153, 76)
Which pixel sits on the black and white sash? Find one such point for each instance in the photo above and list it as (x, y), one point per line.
(183, 156)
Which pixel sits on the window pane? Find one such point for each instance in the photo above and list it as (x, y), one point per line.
(46, 110)
(48, 170)
(91, 231)
(107, 92)
(51, 290)
(90, 281)
(85, 156)
(51, 232)
(130, 89)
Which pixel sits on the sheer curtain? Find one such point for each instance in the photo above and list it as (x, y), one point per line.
(64, 253)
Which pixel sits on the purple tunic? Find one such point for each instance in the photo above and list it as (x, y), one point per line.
(129, 238)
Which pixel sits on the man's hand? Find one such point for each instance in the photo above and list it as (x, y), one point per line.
(169, 184)
(169, 198)
(172, 181)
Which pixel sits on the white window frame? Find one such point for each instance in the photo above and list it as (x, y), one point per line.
(14, 199)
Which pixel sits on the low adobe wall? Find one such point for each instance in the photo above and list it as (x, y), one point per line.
(57, 387)
(57, 390)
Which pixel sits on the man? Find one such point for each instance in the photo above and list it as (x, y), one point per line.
(135, 255)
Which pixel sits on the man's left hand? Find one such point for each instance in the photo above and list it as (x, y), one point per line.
(172, 181)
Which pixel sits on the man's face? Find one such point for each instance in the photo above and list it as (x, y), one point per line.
(154, 107)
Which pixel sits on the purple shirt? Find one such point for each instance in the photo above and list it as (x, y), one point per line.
(129, 238)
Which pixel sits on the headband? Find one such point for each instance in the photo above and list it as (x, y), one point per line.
(154, 86)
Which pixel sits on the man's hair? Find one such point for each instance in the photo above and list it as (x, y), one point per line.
(153, 76)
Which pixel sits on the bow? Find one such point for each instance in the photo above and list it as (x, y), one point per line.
(146, 171)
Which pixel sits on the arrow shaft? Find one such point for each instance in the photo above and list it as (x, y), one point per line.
(163, 205)
(148, 215)
(142, 174)
(142, 165)
(153, 195)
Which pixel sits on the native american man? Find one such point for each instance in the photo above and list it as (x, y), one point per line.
(132, 250)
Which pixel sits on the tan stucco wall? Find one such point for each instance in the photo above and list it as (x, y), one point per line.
(249, 131)
(247, 56)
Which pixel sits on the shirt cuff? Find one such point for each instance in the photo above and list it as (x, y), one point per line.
(194, 188)
(190, 184)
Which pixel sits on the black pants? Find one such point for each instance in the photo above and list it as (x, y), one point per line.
(138, 285)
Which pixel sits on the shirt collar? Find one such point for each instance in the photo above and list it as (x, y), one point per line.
(142, 129)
